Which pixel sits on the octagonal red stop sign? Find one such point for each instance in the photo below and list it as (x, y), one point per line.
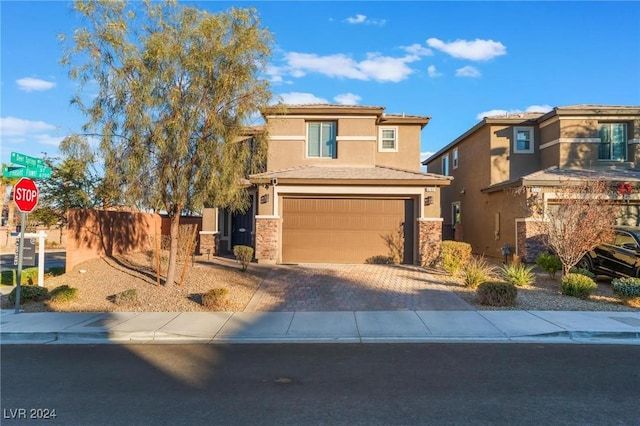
(25, 195)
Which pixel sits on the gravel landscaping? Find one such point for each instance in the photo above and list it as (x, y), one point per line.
(98, 282)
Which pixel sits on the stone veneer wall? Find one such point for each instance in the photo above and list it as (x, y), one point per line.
(210, 242)
(529, 243)
(429, 240)
(267, 236)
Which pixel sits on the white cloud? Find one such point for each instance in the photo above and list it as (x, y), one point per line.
(375, 67)
(301, 98)
(11, 126)
(362, 19)
(503, 112)
(418, 50)
(347, 99)
(433, 72)
(468, 71)
(28, 84)
(476, 50)
(425, 155)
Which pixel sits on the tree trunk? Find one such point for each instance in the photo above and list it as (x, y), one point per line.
(173, 248)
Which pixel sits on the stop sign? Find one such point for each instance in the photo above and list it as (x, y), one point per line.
(25, 194)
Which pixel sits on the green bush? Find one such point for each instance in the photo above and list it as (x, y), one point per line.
(64, 293)
(517, 274)
(454, 255)
(244, 254)
(29, 293)
(476, 271)
(582, 271)
(215, 298)
(379, 260)
(550, 263)
(578, 285)
(497, 293)
(127, 297)
(29, 277)
(626, 287)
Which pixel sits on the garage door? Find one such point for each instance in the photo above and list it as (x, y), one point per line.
(339, 230)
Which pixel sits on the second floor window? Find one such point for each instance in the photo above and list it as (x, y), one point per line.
(445, 165)
(523, 142)
(455, 158)
(613, 141)
(388, 139)
(321, 140)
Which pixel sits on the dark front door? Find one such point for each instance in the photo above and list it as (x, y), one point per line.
(241, 227)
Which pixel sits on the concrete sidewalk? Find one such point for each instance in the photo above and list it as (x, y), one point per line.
(321, 327)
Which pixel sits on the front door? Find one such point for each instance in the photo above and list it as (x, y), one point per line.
(242, 227)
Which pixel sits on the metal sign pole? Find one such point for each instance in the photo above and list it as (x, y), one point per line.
(23, 224)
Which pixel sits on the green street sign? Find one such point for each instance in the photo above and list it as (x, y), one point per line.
(28, 172)
(25, 160)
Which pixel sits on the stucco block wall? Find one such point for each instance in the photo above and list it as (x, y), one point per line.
(95, 233)
(267, 239)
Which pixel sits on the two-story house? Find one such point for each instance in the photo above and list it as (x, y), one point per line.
(503, 160)
(337, 179)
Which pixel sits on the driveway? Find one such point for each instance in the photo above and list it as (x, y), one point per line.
(336, 287)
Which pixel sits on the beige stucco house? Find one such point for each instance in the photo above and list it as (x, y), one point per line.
(504, 159)
(337, 179)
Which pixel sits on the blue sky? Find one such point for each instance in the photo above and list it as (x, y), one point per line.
(452, 61)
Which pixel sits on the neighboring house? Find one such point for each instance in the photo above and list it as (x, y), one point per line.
(504, 159)
(338, 178)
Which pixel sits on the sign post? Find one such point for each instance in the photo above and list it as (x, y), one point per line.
(25, 195)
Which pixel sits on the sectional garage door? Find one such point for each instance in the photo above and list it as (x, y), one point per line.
(343, 230)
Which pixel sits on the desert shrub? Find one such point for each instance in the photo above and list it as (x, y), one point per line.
(8, 277)
(582, 271)
(497, 293)
(244, 254)
(517, 274)
(550, 263)
(215, 298)
(578, 285)
(379, 260)
(127, 297)
(454, 255)
(475, 271)
(64, 293)
(29, 293)
(55, 270)
(626, 287)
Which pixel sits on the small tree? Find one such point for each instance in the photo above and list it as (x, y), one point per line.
(580, 217)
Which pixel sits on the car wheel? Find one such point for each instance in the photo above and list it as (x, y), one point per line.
(585, 263)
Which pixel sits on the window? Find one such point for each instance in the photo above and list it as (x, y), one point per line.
(445, 165)
(456, 216)
(454, 160)
(613, 141)
(523, 140)
(321, 139)
(388, 139)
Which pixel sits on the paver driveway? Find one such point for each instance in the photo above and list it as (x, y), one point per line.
(336, 287)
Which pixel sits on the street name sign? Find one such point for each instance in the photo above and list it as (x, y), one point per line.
(40, 172)
(25, 160)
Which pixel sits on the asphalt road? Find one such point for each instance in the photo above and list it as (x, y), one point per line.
(427, 384)
(51, 259)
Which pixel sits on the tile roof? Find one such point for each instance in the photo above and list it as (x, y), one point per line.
(347, 173)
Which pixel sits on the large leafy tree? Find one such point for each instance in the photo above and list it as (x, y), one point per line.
(175, 87)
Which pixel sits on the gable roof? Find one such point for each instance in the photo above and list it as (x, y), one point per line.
(375, 175)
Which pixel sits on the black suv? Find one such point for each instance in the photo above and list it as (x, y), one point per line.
(621, 258)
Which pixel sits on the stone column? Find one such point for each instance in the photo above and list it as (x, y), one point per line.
(429, 240)
(267, 239)
(210, 242)
(530, 243)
